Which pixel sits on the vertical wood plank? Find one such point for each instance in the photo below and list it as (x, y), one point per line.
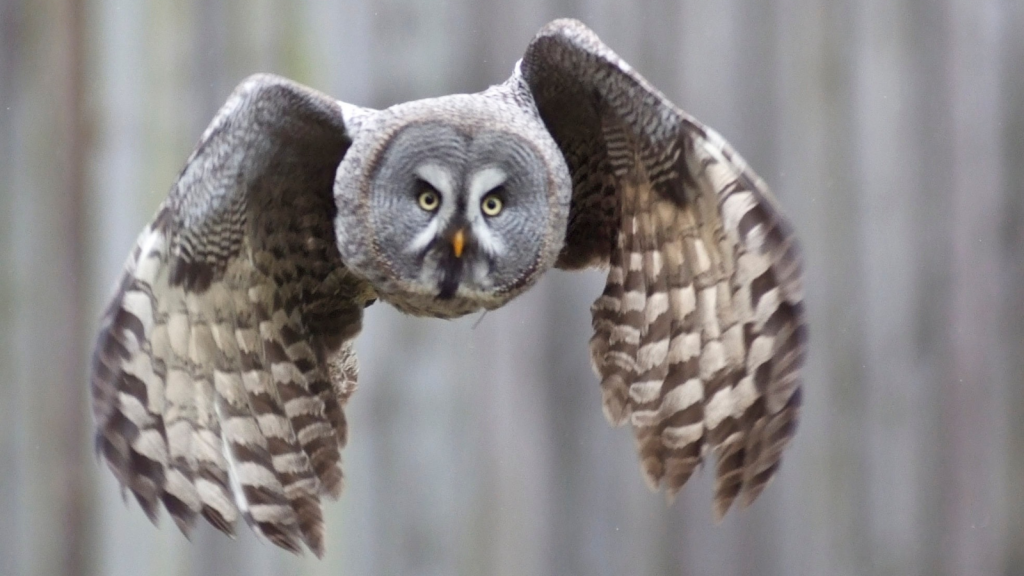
(45, 188)
(889, 165)
(12, 16)
(973, 405)
(822, 476)
(1012, 224)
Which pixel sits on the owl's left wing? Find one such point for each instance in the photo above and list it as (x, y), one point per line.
(700, 332)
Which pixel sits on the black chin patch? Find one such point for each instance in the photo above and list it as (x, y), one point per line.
(451, 274)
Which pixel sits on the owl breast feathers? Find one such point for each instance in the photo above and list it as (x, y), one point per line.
(225, 357)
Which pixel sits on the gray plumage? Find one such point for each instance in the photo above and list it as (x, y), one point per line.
(224, 361)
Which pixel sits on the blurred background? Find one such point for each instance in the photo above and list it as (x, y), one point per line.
(891, 130)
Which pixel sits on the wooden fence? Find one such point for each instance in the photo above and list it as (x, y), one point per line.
(892, 131)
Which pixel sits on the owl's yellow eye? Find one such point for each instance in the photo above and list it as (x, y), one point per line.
(491, 205)
(429, 200)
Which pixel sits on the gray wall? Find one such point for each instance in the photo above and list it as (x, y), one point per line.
(892, 131)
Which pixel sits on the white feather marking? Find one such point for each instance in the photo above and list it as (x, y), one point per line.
(721, 174)
(684, 301)
(274, 425)
(292, 463)
(179, 387)
(133, 410)
(256, 474)
(615, 275)
(766, 306)
(178, 333)
(620, 359)
(676, 400)
(201, 346)
(735, 208)
(179, 438)
(424, 237)
(247, 339)
(253, 382)
(279, 318)
(760, 352)
(218, 297)
(656, 263)
(182, 488)
(159, 343)
(130, 342)
(139, 305)
(303, 405)
(707, 301)
(151, 444)
(213, 496)
(141, 367)
(258, 294)
(755, 238)
(633, 301)
(750, 266)
(241, 502)
(682, 397)
(301, 350)
(712, 359)
(732, 342)
(744, 395)
(209, 448)
(657, 304)
(439, 177)
(488, 241)
(636, 261)
(683, 347)
(682, 436)
(483, 181)
(624, 333)
(480, 183)
(644, 418)
(271, 512)
(700, 251)
(314, 431)
(229, 385)
(224, 337)
(651, 355)
(148, 267)
(285, 372)
(644, 392)
(718, 408)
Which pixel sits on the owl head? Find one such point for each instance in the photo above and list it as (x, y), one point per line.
(460, 205)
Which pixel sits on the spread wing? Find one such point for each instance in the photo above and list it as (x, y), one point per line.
(700, 332)
(224, 360)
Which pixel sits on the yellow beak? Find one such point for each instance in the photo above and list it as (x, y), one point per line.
(458, 242)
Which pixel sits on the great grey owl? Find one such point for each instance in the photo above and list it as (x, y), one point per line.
(225, 357)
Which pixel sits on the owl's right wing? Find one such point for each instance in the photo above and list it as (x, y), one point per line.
(224, 359)
(699, 335)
